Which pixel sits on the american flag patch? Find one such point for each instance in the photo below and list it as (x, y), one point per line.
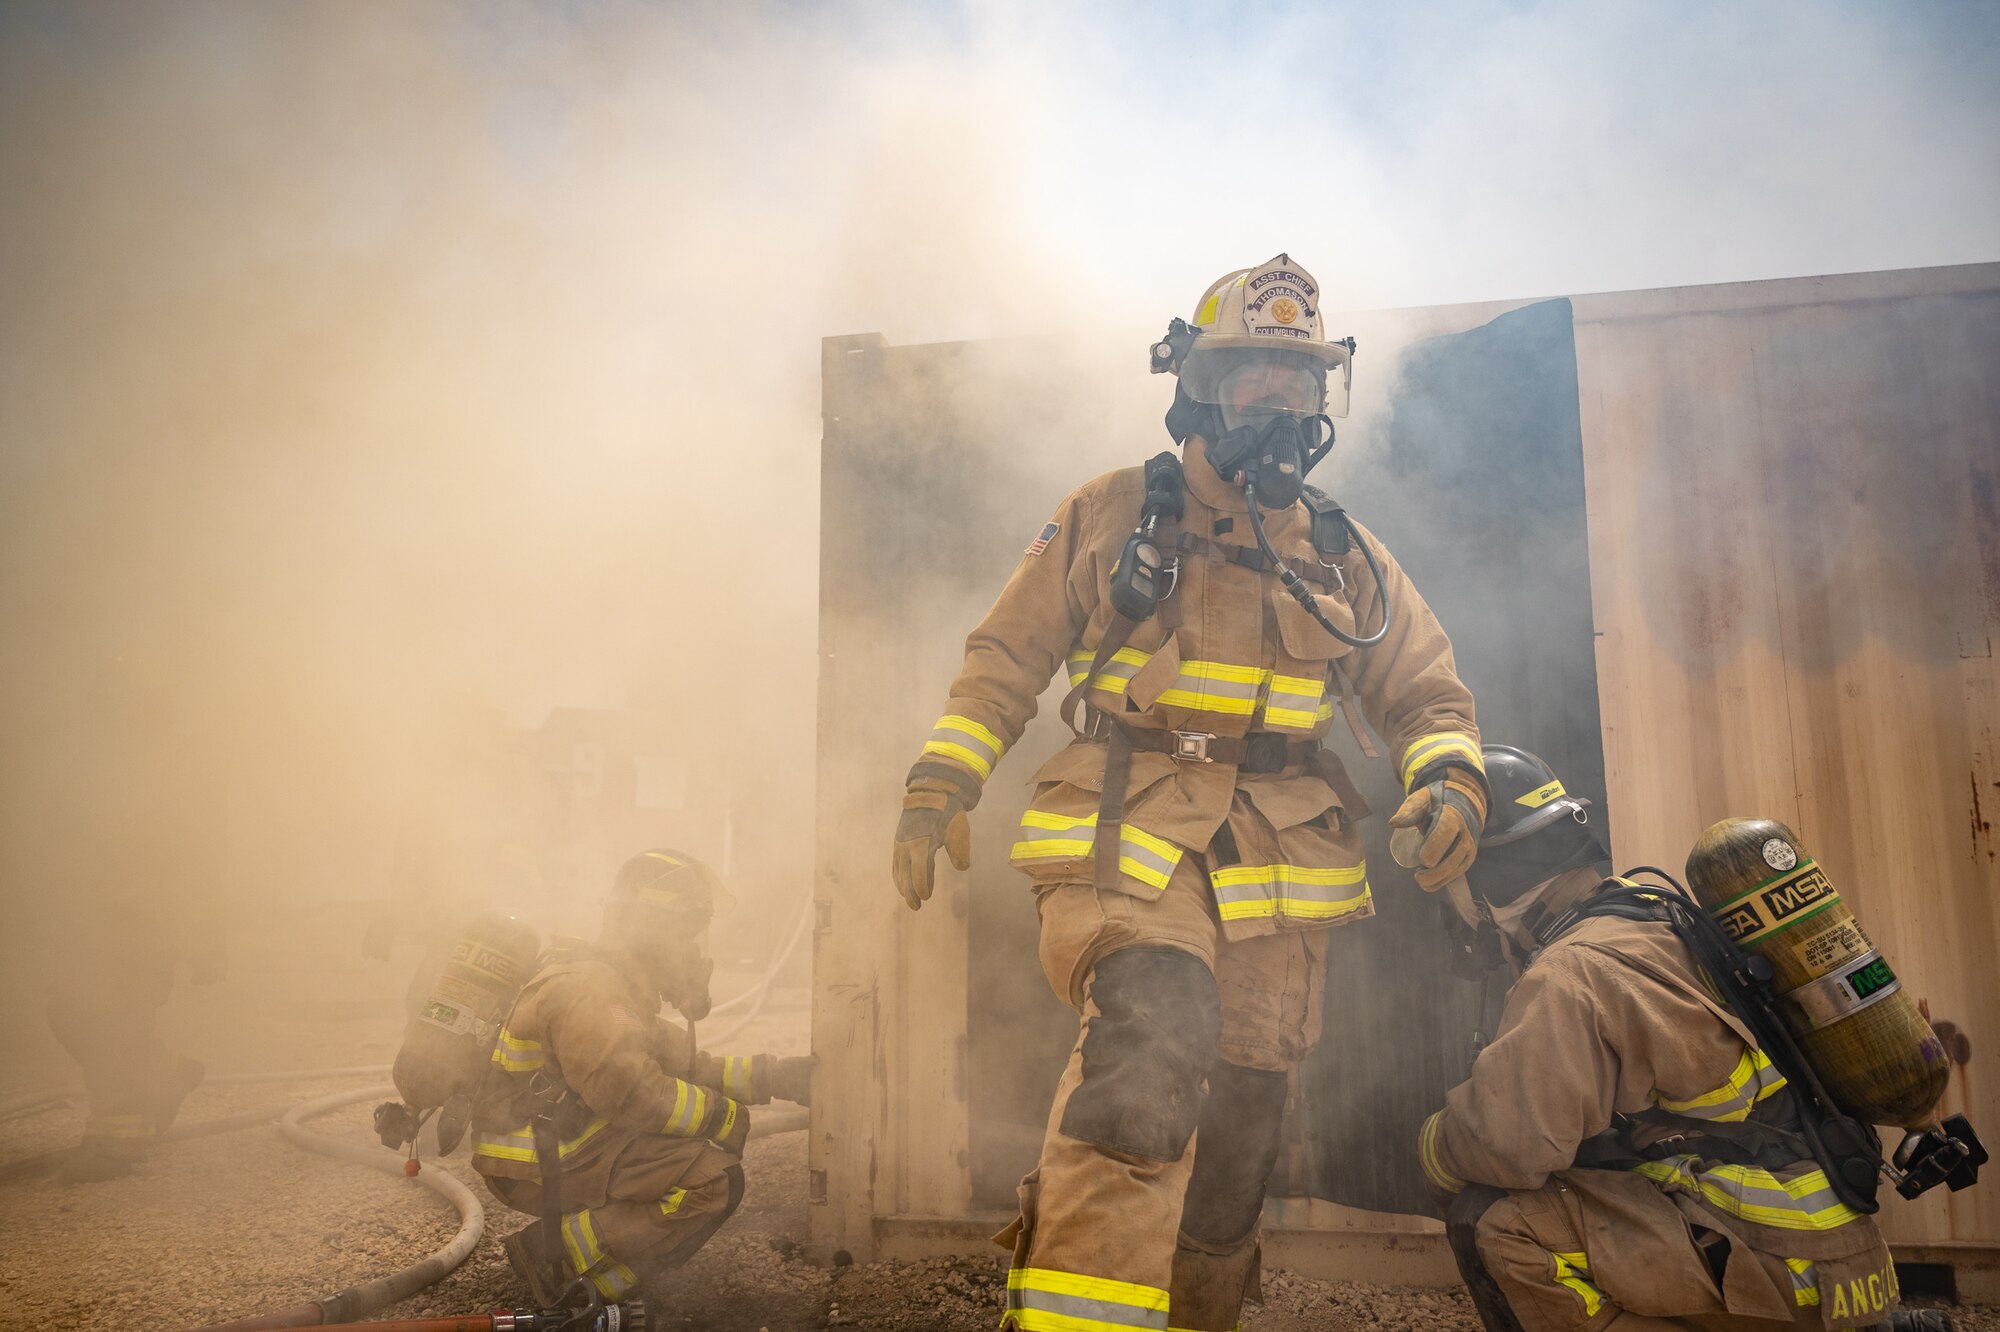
(622, 1016)
(1041, 543)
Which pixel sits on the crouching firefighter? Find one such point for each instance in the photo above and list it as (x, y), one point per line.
(602, 1119)
(1632, 1151)
(1191, 849)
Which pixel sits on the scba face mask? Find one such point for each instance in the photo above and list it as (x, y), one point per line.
(1273, 452)
(1268, 410)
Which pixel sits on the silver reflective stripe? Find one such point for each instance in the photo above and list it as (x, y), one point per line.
(1214, 686)
(1295, 892)
(1045, 1300)
(966, 740)
(1752, 1080)
(588, 1257)
(1117, 672)
(1149, 859)
(1846, 990)
(1804, 1201)
(1293, 703)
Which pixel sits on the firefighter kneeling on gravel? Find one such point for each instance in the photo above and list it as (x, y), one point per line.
(1193, 847)
(648, 1131)
(1624, 1155)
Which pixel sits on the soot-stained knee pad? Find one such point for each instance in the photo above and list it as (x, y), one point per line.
(1145, 1053)
(1240, 1125)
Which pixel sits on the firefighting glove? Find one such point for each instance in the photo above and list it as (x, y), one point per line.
(934, 810)
(790, 1079)
(1437, 828)
(729, 1126)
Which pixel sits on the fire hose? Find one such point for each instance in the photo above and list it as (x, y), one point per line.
(358, 1301)
(355, 1302)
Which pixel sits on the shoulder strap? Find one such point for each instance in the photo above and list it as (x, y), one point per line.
(1329, 521)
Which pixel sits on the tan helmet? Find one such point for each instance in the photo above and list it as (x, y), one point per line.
(1273, 308)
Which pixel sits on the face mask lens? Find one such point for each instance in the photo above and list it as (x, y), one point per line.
(1267, 386)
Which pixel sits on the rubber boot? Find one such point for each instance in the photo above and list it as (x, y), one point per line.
(1461, 1221)
(528, 1256)
(1920, 1320)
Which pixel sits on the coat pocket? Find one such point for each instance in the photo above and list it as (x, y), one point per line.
(1057, 843)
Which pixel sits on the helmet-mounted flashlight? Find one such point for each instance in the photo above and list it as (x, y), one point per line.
(1171, 350)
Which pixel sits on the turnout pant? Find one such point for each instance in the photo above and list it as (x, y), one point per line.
(1144, 1208)
(635, 1212)
(1528, 1264)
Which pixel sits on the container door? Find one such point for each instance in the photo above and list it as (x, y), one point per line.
(1478, 490)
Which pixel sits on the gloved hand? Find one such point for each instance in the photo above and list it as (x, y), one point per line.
(1437, 828)
(933, 815)
(732, 1126)
(790, 1078)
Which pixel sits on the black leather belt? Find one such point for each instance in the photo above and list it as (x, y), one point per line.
(1261, 751)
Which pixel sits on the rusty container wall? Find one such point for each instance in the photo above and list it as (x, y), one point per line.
(1795, 564)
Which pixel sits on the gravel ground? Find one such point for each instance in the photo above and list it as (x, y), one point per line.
(221, 1227)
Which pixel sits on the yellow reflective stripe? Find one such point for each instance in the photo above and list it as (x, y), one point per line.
(1541, 795)
(503, 1146)
(672, 1202)
(1215, 686)
(1149, 859)
(967, 741)
(1074, 836)
(690, 1109)
(1427, 749)
(595, 1127)
(1427, 1152)
(1294, 703)
(519, 1144)
(1117, 672)
(1805, 1280)
(736, 1074)
(728, 1118)
(1300, 892)
(515, 1055)
(1753, 1080)
(588, 1257)
(1041, 1299)
(1571, 1269)
(1803, 1202)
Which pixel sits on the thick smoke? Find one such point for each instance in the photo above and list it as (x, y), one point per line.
(375, 380)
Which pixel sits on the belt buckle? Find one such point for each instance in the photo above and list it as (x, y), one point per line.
(1192, 746)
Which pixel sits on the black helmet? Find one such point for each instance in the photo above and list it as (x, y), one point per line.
(1536, 829)
(1526, 796)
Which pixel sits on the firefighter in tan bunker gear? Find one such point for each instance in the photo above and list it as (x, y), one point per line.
(1700, 1206)
(1185, 900)
(651, 1130)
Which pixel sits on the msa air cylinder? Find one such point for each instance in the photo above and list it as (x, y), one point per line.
(449, 1040)
(1855, 1022)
